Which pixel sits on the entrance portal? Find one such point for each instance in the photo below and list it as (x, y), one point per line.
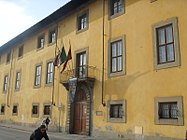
(80, 112)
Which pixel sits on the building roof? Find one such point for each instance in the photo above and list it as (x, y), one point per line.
(55, 16)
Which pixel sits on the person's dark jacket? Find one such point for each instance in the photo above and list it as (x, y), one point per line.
(38, 135)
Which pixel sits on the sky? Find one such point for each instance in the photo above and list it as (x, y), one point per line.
(18, 15)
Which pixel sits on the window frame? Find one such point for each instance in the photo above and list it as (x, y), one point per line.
(170, 121)
(15, 113)
(47, 82)
(3, 113)
(20, 51)
(78, 66)
(174, 22)
(38, 107)
(50, 36)
(5, 83)
(124, 107)
(40, 37)
(8, 58)
(50, 108)
(17, 80)
(35, 76)
(86, 13)
(110, 8)
(123, 71)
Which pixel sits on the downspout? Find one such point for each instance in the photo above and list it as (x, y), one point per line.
(10, 79)
(103, 55)
(52, 96)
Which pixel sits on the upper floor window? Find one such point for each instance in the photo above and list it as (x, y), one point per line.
(20, 51)
(116, 7)
(8, 57)
(52, 36)
(81, 64)
(18, 80)
(5, 84)
(49, 76)
(82, 21)
(38, 72)
(117, 57)
(41, 41)
(166, 44)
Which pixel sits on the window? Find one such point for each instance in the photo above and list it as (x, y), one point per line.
(82, 21)
(5, 84)
(15, 110)
(2, 109)
(166, 44)
(18, 80)
(38, 72)
(35, 110)
(116, 56)
(41, 41)
(20, 52)
(49, 76)
(47, 109)
(52, 36)
(81, 71)
(168, 110)
(117, 111)
(116, 7)
(8, 57)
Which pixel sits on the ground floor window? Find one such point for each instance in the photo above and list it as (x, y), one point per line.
(117, 111)
(2, 109)
(47, 109)
(35, 110)
(169, 110)
(15, 110)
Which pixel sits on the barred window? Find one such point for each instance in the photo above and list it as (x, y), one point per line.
(168, 110)
(15, 110)
(47, 109)
(116, 111)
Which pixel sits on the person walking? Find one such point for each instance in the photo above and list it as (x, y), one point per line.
(39, 133)
(47, 121)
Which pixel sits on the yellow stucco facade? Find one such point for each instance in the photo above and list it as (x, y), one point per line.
(144, 83)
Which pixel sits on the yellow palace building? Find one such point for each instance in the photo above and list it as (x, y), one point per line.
(125, 70)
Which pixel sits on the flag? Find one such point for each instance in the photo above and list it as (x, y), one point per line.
(60, 58)
(69, 57)
(56, 62)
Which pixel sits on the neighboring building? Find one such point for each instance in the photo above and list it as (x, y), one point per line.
(128, 66)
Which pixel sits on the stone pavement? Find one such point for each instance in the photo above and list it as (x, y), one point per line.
(54, 134)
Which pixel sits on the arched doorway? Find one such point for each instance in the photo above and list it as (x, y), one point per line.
(80, 112)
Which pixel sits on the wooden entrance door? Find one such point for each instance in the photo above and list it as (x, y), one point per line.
(80, 113)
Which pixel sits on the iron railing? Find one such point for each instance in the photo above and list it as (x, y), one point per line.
(82, 73)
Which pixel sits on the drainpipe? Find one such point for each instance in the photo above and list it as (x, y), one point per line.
(103, 56)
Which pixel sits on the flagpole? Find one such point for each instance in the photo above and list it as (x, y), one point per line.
(52, 98)
(71, 60)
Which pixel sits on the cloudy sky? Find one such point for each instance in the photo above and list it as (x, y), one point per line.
(18, 15)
